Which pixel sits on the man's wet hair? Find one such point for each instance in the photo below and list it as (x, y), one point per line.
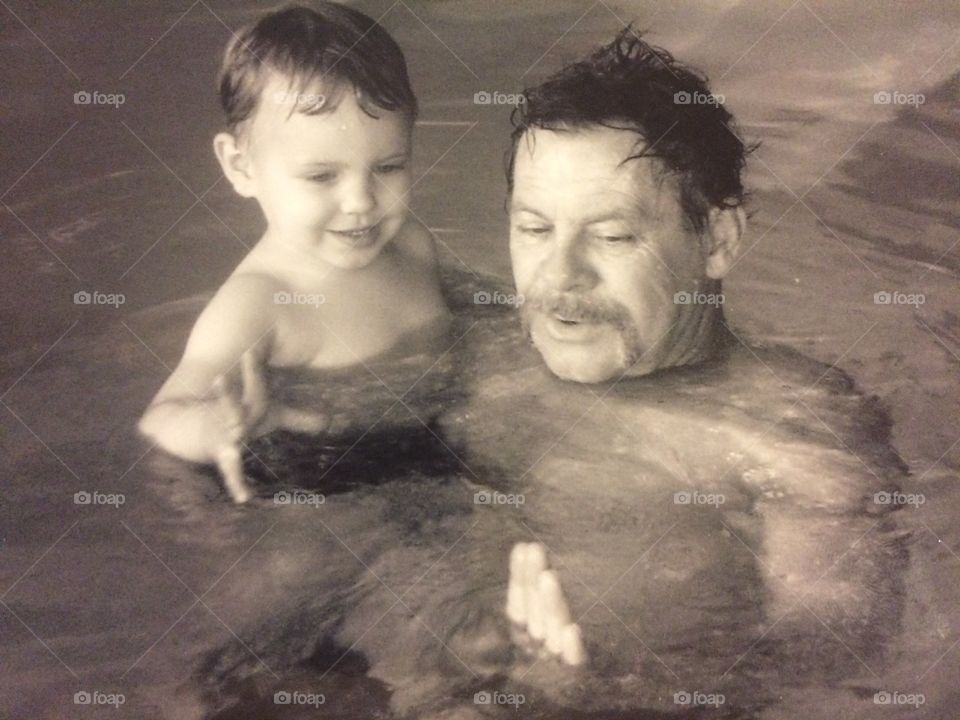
(325, 45)
(631, 85)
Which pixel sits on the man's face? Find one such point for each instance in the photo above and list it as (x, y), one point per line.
(332, 185)
(599, 248)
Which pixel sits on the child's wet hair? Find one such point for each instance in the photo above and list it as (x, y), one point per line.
(327, 46)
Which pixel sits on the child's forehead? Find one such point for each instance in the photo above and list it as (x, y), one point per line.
(325, 115)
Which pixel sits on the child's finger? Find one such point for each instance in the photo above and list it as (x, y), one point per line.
(231, 414)
(230, 465)
(254, 397)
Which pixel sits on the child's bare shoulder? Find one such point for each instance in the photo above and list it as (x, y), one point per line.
(240, 313)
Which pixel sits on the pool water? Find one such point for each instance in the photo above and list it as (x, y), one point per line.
(176, 588)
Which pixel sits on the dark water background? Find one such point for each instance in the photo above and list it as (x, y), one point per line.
(850, 198)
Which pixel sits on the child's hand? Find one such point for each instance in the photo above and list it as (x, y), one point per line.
(241, 410)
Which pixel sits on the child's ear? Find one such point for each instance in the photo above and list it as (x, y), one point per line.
(725, 228)
(235, 161)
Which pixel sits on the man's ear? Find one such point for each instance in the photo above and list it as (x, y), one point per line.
(235, 161)
(725, 228)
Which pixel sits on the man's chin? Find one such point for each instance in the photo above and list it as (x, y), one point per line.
(583, 366)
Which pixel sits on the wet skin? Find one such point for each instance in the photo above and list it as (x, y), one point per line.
(666, 400)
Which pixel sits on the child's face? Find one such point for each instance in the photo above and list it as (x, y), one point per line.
(334, 184)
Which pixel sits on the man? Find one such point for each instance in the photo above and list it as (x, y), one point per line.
(626, 211)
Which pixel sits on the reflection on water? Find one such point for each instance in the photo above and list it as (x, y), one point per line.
(176, 588)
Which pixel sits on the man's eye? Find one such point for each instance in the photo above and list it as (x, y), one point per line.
(326, 177)
(387, 169)
(617, 239)
(534, 230)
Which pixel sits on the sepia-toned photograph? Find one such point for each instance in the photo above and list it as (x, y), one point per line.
(479, 359)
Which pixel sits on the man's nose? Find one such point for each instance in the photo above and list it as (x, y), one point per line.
(567, 269)
(358, 196)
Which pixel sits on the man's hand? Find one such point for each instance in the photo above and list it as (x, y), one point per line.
(536, 603)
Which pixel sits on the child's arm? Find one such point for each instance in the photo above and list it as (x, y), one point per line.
(200, 410)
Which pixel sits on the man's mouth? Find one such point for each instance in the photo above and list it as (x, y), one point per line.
(566, 328)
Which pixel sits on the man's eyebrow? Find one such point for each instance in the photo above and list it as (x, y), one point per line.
(399, 155)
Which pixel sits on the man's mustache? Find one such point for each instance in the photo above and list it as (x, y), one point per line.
(577, 308)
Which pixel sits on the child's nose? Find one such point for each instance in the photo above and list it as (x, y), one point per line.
(358, 197)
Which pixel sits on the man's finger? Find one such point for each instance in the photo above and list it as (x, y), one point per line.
(572, 651)
(516, 590)
(536, 562)
(556, 613)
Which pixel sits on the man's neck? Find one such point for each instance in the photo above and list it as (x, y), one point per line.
(701, 340)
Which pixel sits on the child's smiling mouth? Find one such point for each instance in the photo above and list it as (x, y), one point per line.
(361, 237)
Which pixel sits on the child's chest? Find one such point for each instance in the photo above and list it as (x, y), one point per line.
(351, 317)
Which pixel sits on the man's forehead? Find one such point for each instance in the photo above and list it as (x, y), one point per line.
(595, 165)
(596, 152)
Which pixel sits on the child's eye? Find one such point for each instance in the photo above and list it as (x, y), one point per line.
(325, 177)
(395, 167)
(534, 230)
